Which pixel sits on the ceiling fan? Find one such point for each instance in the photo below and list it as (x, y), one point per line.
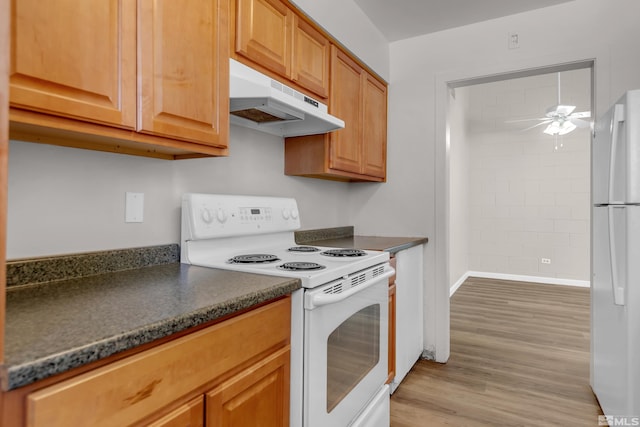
(560, 119)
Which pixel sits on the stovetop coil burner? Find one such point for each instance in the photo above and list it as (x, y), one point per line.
(301, 266)
(341, 253)
(305, 249)
(253, 259)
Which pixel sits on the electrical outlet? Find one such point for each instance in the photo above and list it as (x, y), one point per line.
(545, 260)
(514, 41)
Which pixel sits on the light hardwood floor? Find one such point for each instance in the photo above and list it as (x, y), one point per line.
(519, 357)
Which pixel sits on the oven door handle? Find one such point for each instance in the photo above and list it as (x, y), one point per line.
(321, 299)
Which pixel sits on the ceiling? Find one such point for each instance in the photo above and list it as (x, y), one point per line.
(402, 19)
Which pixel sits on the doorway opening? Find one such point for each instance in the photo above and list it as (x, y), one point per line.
(519, 192)
(446, 86)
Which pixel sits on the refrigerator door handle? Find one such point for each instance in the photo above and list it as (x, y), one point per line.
(616, 119)
(618, 291)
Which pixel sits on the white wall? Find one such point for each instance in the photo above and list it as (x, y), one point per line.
(530, 202)
(414, 200)
(461, 160)
(64, 200)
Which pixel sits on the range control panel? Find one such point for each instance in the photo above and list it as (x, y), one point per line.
(207, 216)
(255, 214)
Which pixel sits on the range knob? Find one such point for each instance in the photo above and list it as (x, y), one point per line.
(294, 213)
(221, 215)
(285, 213)
(206, 215)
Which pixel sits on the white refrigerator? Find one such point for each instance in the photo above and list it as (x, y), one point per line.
(615, 288)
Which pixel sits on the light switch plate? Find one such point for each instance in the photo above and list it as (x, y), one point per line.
(133, 207)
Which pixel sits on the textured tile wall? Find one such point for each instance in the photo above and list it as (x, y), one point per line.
(529, 194)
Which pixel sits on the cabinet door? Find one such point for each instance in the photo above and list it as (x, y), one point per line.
(75, 58)
(345, 152)
(191, 414)
(311, 54)
(263, 33)
(184, 70)
(374, 128)
(259, 395)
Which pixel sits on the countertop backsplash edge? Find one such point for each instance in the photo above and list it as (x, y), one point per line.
(306, 236)
(64, 267)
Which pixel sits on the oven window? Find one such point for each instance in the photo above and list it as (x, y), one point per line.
(353, 349)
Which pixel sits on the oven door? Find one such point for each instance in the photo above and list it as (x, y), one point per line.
(345, 348)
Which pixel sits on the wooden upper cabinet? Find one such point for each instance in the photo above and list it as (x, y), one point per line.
(360, 100)
(311, 55)
(374, 138)
(184, 70)
(271, 35)
(359, 151)
(264, 32)
(345, 103)
(145, 77)
(61, 64)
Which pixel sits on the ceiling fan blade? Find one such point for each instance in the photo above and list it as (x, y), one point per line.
(526, 120)
(581, 115)
(546, 122)
(579, 122)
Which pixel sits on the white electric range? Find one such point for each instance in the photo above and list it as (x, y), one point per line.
(339, 320)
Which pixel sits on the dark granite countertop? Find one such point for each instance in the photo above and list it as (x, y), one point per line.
(53, 327)
(374, 243)
(342, 237)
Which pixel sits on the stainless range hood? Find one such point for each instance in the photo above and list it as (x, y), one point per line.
(262, 103)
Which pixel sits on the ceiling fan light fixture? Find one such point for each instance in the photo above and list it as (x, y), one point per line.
(566, 128)
(559, 127)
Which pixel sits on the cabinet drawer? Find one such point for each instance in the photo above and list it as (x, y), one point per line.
(135, 387)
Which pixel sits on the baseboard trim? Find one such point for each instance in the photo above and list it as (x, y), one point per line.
(459, 283)
(518, 278)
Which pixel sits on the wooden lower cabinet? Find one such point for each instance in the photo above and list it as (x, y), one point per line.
(190, 414)
(256, 396)
(226, 374)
